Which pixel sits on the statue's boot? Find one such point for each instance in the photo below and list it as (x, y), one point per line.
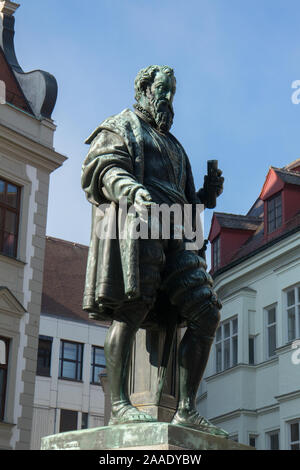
(193, 355)
(118, 347)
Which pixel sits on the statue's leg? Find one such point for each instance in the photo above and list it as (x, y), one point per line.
(193, 355)
(121, 335)
(118, 347)
(189, 287)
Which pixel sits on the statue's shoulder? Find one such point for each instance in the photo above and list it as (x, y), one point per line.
(119, 123)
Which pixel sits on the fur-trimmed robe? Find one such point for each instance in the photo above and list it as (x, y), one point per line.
(112, 275)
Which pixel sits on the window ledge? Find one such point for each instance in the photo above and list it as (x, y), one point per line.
(12, 260)
(5, 424)
(287, 347)
(222, 372)
(267, 361)
(241, 365)
(71, 380)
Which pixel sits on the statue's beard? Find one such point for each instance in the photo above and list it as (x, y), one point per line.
(162, 113)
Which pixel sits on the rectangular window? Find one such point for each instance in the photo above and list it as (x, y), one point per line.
(4, 353)
(84, 420)
(227, 345)
(251, 350)
(293, 312)
(70, 360)
(252, 440)
(294, 443)
(273, 440)
(44, 356)
(270, 315)
(216, 253)
(97, 364)
(274, 208)
(9, 217)
(68, 420)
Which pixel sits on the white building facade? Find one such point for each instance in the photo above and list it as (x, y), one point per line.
(68, 392)
(71, 397)
(252, 380)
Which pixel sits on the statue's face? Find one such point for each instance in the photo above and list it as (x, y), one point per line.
(160, 96)
(162, 87)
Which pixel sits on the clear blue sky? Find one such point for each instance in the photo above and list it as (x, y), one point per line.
(234, 60)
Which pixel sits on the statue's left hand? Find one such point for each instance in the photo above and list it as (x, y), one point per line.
(214, 183)
(212, 188)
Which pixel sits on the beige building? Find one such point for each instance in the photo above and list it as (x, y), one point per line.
(27, 158)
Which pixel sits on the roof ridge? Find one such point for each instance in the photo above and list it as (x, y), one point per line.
(293, 164)
(253, 217)
(67, 242)
(284, 170)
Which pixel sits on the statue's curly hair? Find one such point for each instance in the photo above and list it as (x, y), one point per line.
(146, 76)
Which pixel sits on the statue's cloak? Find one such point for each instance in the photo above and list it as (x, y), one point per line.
(112, 275)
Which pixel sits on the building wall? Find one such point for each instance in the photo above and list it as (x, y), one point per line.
(231, 241)
(291, 197)
(27, 158)
(256, 399)
(53, 393)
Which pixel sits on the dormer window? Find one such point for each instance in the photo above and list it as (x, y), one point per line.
(216, 253)
(274, 206)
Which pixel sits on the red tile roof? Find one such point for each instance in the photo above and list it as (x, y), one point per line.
(288, 176)
(254, 220)
(243, 222)
(64, 277)
(258, 242)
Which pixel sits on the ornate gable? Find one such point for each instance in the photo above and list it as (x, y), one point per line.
(9, 303)
(14, 94)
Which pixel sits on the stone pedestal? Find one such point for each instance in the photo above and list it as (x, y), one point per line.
(141, 436)
(143, 377)
(143, 381)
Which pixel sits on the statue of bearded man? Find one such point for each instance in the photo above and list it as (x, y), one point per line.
(146, 283)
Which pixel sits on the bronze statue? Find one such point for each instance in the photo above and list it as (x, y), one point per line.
(145, 283)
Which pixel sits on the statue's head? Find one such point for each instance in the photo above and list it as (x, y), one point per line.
(155, 88)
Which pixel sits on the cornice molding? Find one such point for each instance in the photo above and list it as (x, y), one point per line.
(35, 153)
(288, 396)
(257, 260)
(240, 292)
(244, 411)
